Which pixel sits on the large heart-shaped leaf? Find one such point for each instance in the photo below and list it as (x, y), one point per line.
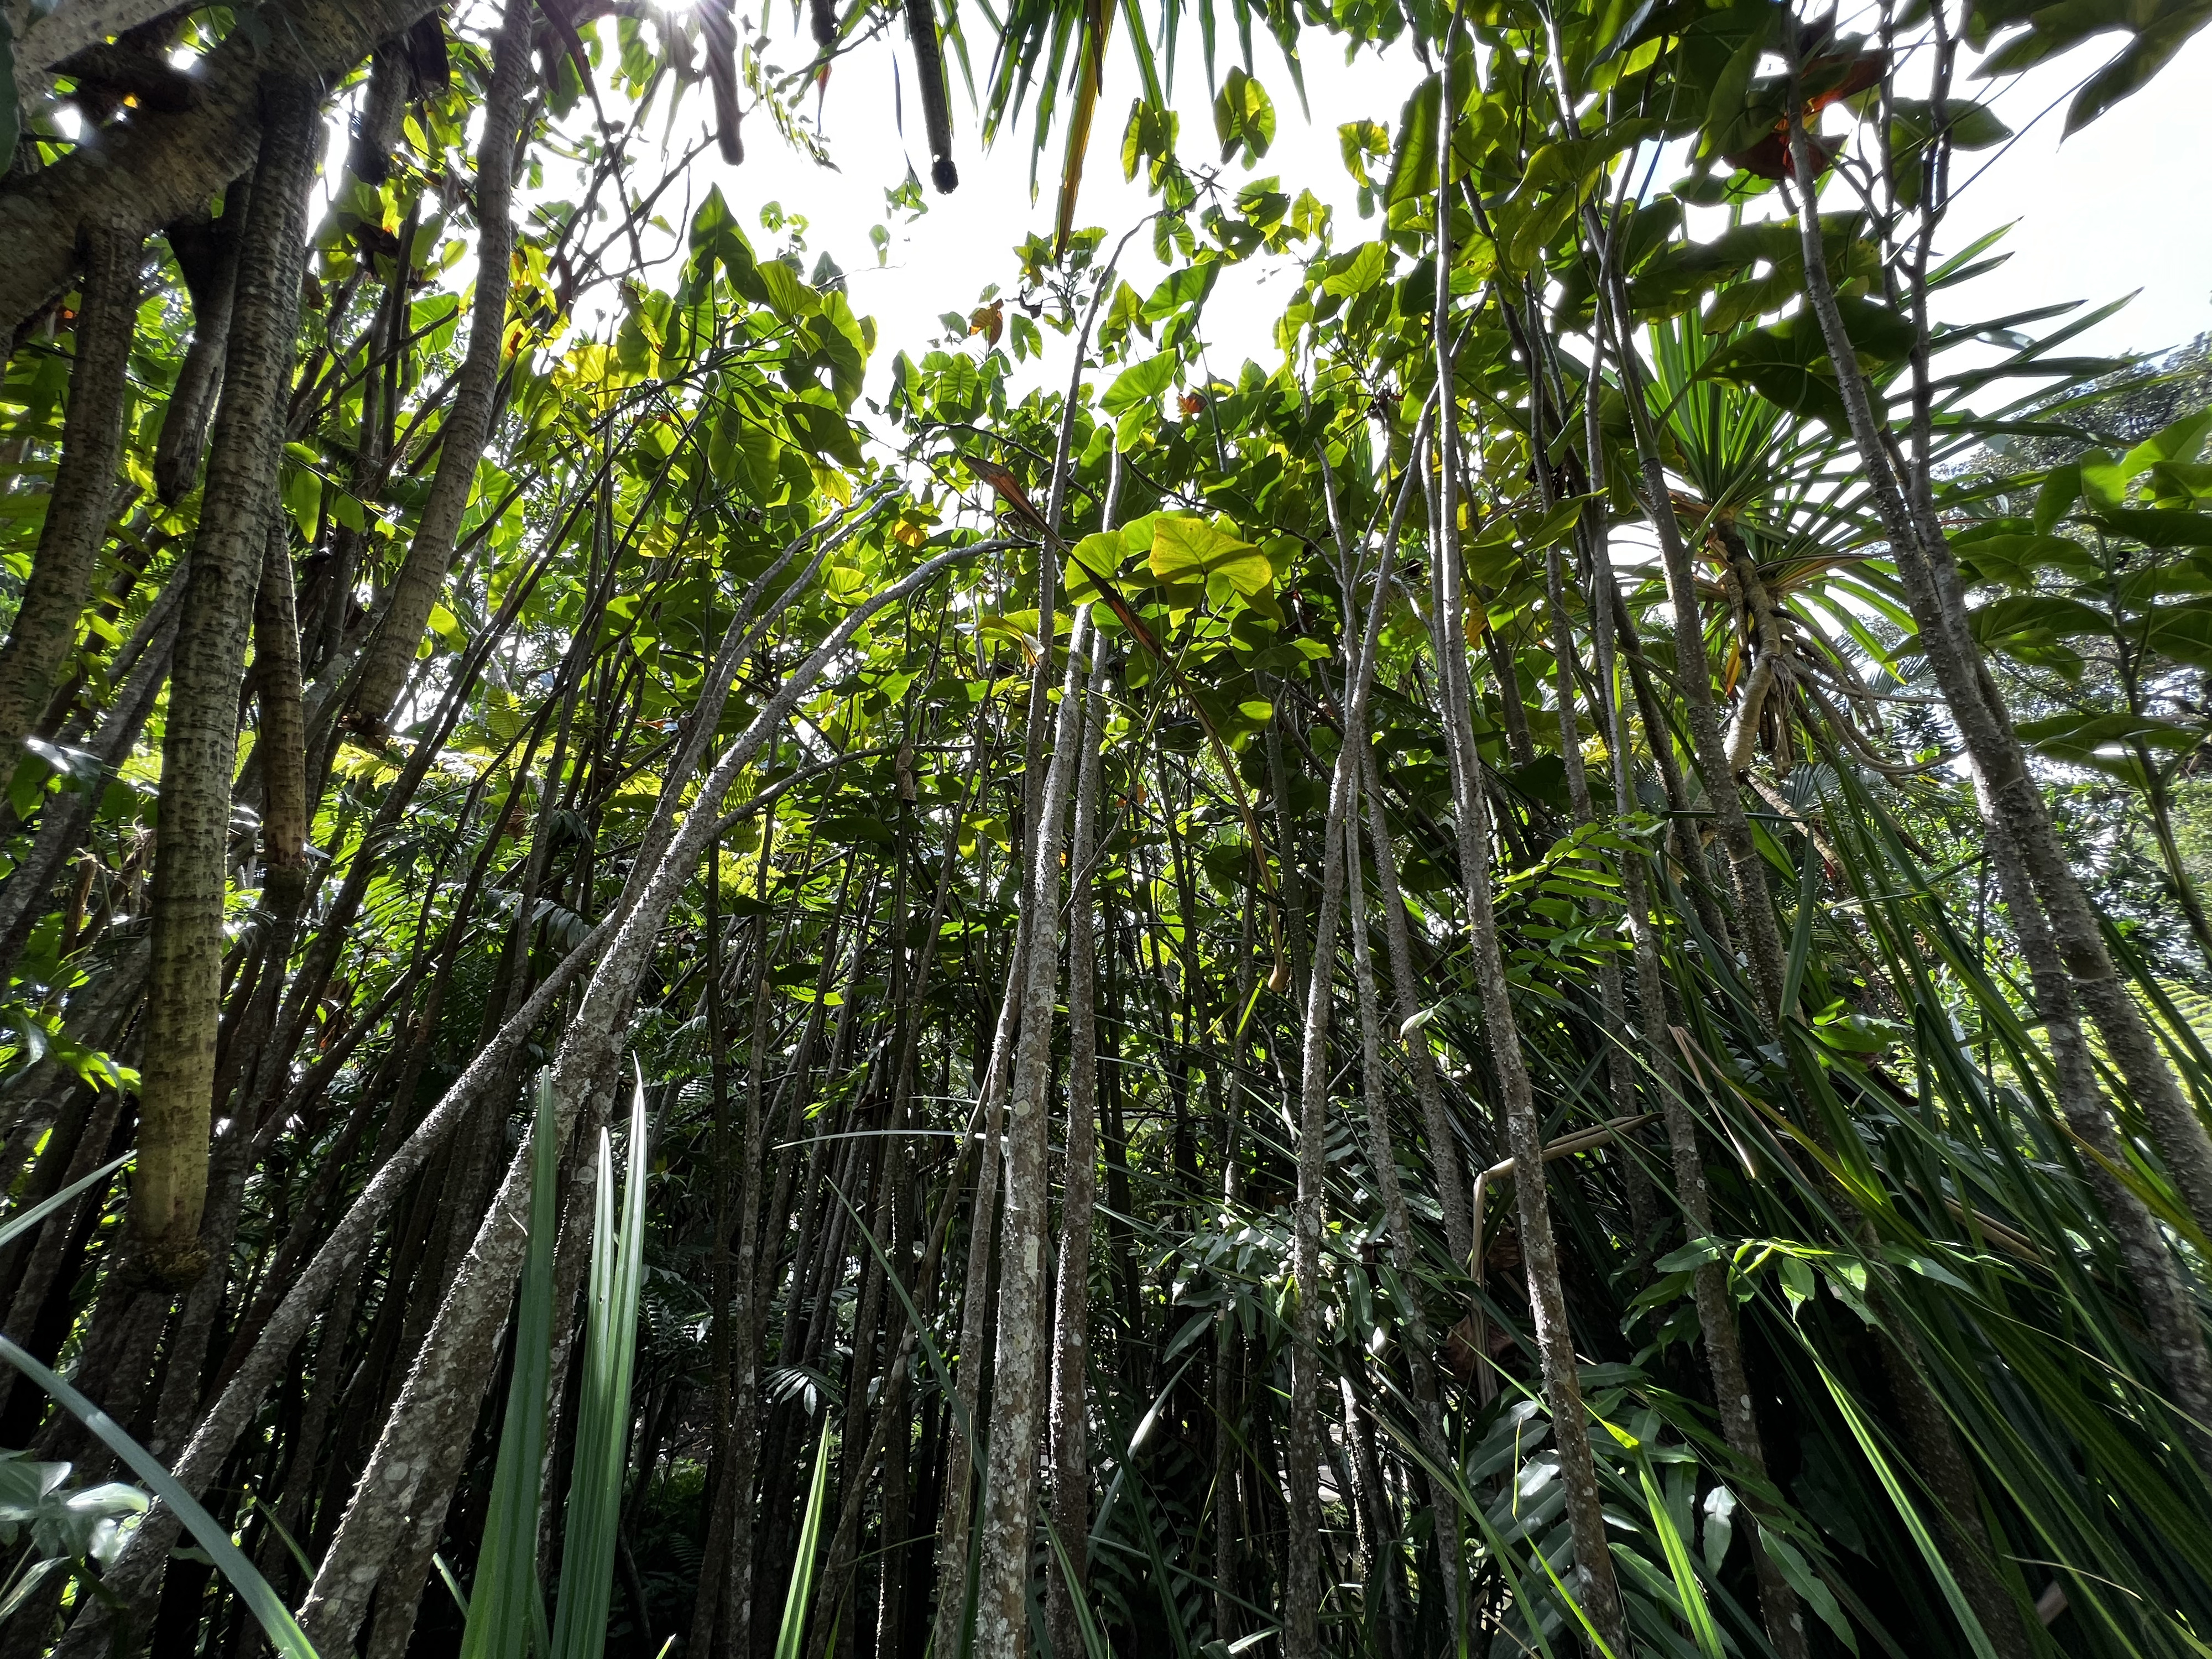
(1187, 548)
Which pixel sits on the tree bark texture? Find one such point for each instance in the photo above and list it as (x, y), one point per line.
(281, 746)
(206, 252)
(2014, 809)
(199, 745)
(1782, 1613)
(137, 176)
(333, 1262)
(1071, 1382)
(1010, 1480)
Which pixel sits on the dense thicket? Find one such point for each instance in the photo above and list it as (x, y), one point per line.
(1530, 981)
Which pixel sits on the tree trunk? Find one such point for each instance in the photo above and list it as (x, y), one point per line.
(281, 749)
(199, 745)
(1784, 1616)
(443, 1391)
(1071, 1381)
(722, 1495)
(1009, 1481)
(2015, 809)
(1599, 1593)
(138, 175)
(391, 647)
(44, 632)
(1754, 917)
(336, 1259)
(963, 1438)
(207, 252)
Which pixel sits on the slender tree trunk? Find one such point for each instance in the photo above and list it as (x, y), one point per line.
(1359, 666)
(338, 1258)
(445, 1387)
(745, 1336)
(207, 253)
(1009, 1481)
(44, 632)
(1071, 1382)
(2015, 808)
(391, 646)
(1784, 1616)
(200, 744)
(2013, 803)
(963, 1431)
(722, 1495)
(1599, 1593)
(1419, 1345)
(281, 751)
(2169, 1309)
(1754, 917)
(1621, 1061)
(1303, 1584)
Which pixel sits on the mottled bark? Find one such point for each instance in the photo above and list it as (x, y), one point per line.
(138, 175)
(336, 1260)
(2014, 808)
(207, 252)
(65, 30)
(1784, 1615)
(1304, 1586)
(280, 748)
(1071, 1382)
(2012, 801)
(1010, 1481)
(200, 743)
(1613, 1002)
(2169, 1306)
(1755, 907)
(723, 1427)
(956, 1522)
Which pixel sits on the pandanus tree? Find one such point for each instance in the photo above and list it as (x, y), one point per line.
(1090, 896)
(1797, 593)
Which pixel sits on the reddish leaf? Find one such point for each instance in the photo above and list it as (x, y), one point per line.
(1010, 490)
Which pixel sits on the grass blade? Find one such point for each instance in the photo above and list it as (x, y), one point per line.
(506, 1602)
(1694, 1610)
(17, 1225)
(792, 1633)
(596, 1489)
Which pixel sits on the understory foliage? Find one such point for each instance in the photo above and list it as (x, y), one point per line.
(1526, 981)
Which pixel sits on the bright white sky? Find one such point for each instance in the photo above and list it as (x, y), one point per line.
(2088, 222)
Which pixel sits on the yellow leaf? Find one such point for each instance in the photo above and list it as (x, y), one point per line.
(1187, 548)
